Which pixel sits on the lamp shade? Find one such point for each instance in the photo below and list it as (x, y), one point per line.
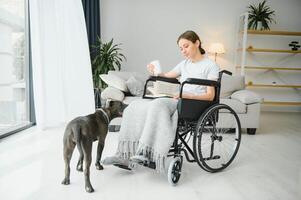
(216, 48)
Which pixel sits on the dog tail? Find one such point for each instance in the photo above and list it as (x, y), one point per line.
(77, 136)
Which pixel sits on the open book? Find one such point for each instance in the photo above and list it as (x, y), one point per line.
(164, 89)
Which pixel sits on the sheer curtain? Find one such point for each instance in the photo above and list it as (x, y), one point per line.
(62, 77)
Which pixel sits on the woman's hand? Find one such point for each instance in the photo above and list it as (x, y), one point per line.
(151, 69)
(176, 96)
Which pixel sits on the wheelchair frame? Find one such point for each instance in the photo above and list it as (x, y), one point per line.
(195, 124)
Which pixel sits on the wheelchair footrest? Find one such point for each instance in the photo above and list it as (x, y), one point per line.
(145, 163)
(123, 166)
(148, 164)
(213, 158)
(152, 165)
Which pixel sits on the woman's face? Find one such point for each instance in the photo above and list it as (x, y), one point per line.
(188, 48)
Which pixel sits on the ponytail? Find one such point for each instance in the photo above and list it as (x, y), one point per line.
(201, 49)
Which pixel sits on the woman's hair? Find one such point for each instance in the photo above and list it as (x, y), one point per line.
(193, 37)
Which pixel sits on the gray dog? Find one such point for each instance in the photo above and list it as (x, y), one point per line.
(82, 132)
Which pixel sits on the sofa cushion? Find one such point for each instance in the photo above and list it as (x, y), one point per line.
(230, 84)
(237, 106)
(246, 96)
(128, 99)
(112, 93)
(135, 86)
(114, 81)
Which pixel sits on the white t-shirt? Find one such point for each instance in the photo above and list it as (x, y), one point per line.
(203, 69)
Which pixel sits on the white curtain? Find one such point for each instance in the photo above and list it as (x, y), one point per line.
(62, 77)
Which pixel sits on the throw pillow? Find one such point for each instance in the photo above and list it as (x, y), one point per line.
(112, 93)
(135, 86)
(114, 81)
(230, 84)
(246, 97)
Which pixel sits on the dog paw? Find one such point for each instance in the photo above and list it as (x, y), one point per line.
(99, 166)
(89, 189)
(66, 181)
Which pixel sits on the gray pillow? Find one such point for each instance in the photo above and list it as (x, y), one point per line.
(135, 86)
(246, 96)
(112, 93)
(230, 84)
(114, 81)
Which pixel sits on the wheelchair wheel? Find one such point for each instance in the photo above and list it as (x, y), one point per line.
(174, 171)
(217, 138)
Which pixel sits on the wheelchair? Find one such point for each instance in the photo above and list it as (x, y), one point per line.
(208, 133)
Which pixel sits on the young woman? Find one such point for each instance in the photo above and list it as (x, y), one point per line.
(196, 65)
(148, 126)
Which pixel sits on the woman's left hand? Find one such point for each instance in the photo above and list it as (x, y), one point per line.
(176, 96)
(151, 69)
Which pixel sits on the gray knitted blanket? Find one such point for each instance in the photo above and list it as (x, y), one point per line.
(148, 127)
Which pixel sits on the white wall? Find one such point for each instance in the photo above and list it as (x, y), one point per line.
(148, 29)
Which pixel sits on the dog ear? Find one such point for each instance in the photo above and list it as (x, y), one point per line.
(111, 103)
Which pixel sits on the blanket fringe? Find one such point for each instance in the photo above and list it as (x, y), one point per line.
(127, 149)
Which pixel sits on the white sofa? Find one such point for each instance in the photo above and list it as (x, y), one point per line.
(233, 93)
(244, 102)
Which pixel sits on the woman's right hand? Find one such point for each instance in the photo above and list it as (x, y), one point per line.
(151, 69)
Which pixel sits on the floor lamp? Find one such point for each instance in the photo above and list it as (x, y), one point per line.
(216, 48)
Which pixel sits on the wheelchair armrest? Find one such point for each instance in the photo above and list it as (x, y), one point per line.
(204, 82)
(160, 78)
(196, 81)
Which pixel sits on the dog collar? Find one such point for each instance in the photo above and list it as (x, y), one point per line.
(105, 114)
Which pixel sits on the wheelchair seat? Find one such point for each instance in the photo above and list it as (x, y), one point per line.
(191, 110)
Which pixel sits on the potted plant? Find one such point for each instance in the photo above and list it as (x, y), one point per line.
(260, 16)
(107, 57)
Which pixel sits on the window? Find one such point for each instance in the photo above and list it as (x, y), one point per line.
(15, 90)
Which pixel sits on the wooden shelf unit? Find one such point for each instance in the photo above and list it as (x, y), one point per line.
(271, 68)
(243, 50)
(251, 49)
(272, 86)
(282, 103)
(269, 32)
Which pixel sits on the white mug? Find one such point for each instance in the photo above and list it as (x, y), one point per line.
(157, 69)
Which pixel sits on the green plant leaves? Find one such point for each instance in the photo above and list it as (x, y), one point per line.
(107, 57)
(260, 13)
